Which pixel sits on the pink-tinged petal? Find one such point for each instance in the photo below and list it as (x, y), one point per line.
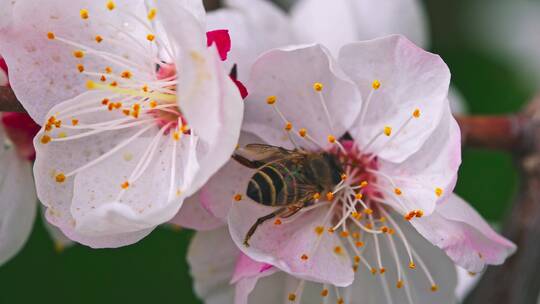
(289, 75)
(292, 245)
(427, 177)
(192, 215)
(3, 73)
(44, 72)
(356, 20)
(208, 98)
(222, 41)
(217, 195)
(246, 267)
(409, 78)
(466, 238)
(368, 289)
(255, 26)
(21, 130)
(213, 269)
(17, 201)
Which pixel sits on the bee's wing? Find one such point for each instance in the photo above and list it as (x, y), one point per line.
(257, 155)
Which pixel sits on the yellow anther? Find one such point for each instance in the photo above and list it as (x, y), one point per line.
(356, 235)
(271, 99)
(359, 244)
(419, 213)
(114, 84)
(319, 230)
(338, 250)
(344, 234)
(317, 86)
(292, 297)
(399, 284)
(103, 78)
(398, 191)
(105, 101)
(302, 132)
(50, 35)
(110, 5)
(238, 197)
(382, 270)
(316, 196)
(373, 271)
(145, 88)
(126, 74)
(434, 287)
(368, 211)
(324, 293)
(153, 104)
(376, 84)
(108, 70)
(277, 222)
(358, 196)
(45, 139)
(80, 68)
(340, 301)
(78, 54)
(98, 38)
(438, 192)
(60, 178)
(331, 230)
(384, 229)
(369, 226)
(356, 215)
(91, 85)
(288, 126)
(150, 37)
(74, 122)
(416, 113)
(412, 265)
(363, 184)
(330, 196)
(152, 14)
(176, 136)
(387, 130)
(343, 176)
(125, 185)
(331, 139)
(356, 259)
(84, 13)
(304, 257)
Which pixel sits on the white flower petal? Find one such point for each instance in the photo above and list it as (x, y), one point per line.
(213, 269)
(192, 215)
(44, 72)
(352, 20)
(410, 78)
(17, 201)
(61, 241)
(284, 245)
(466, 238)
(92, 203)
(428, 176)
(255, 26)
(289, 75)
(368, 289)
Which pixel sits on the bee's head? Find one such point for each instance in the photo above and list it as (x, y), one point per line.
(335, 166)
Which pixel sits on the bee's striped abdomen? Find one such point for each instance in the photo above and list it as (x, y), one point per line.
(269, 186)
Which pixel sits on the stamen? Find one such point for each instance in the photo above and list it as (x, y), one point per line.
(84, 14)
(111, 5)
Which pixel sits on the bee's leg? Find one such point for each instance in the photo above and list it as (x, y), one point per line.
(246, 162)
(262, 220)
(292, 210)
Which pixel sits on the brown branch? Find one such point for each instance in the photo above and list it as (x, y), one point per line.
(493, 132)
(8, 101)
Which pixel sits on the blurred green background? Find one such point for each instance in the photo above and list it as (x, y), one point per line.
(155, 271)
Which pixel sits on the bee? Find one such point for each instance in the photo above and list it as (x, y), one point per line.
(288, 179)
